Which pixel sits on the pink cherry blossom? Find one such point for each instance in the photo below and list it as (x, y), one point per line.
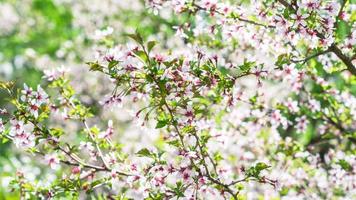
(52, 160)
(302, 124)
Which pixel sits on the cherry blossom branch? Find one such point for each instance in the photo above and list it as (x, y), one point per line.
(203, 154)
(208, 175)
(312, 56)
(78, 160)
(333, 48)
(101, 155)
(347, 61)
(234, 17)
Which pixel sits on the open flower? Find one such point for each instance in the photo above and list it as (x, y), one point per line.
(22, 134)
(52, 160)
(27, 92)
(34, 107)
(300, 18)
(302, 124)
(40, 96)
(277, 119)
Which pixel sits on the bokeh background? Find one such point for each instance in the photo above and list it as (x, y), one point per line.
(40, 35)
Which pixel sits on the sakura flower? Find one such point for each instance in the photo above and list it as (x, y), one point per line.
(191, 154)
(210, 4)
(52, 160)
(111, 158)
(277, 119)
(159, 58)
(22, 134)
(34, 108)
(309, 4)
(24, 140)
(186, 175)
(34, 98)
(327, 41)
(26, 93)
(51, 75)
(158, 181)
(188, 115)
(292, 105)
(328, 23)
(333, 8)
(350, 42)
(280, 22)
(322, 128)
(114, 173)
(300, 18)
(290, 72)
(314, 105)
(155, 6)
(302, 124)
(16, 126)
(116, 54)
(178, 5)
(203, 124)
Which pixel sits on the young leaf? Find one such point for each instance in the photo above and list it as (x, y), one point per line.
(150, 45)
(161, 123)
(94, 66)
(145, 153)
(137, 37)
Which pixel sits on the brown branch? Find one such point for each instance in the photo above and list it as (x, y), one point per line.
(312, 56)
(347, 61)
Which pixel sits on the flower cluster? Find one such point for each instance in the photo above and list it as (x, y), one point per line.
(252, 100)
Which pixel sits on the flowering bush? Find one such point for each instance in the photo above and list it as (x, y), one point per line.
(249, 100)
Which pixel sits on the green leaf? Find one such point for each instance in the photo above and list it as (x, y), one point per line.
(137, 37)
(150, 45)
(161, 124)
(218, 157)
(179, 189)
(342, 30)
(94, 66)
(112, 64)
(345, 165)
(256, 170)
(261, 166)
(142, 55)
(307, 136)
(247, 66)
(281, 60)
(145, 153)
(56, 132)
(175, 143)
